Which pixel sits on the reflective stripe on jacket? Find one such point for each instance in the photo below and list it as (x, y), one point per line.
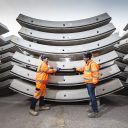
(43, 72)
(91, 72)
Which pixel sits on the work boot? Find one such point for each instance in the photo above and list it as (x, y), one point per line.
(93, 115)
(90, 110)
(44, 107)
(33, 106)
(33, 112)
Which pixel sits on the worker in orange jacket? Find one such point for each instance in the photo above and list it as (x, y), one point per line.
(42, 74)
(91, 78)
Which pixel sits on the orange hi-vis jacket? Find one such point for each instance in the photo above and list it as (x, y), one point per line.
(91, 72)
(43, 72)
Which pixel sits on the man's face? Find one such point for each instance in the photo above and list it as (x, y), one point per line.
(45, 60)
(86, 59)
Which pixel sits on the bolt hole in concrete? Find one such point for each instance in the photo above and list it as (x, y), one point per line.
(99, 60)
(98, 44)
(63, 65)
(32, 21)
(27, 89)
(29, 45)
(28, 60)
(63, 24)
(63, 50)
(28, 74)
(97, 31)
(97, 19)
(103, 89)
(30, 32)
(63, 37)
(65, 95)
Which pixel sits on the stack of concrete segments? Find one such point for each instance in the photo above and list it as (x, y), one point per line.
(64, 43)
(125, 60)
(122, 46)
(3, 29)
(7, 50)
(124, 74)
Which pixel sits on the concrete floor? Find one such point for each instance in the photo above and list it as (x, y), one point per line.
(14, 114)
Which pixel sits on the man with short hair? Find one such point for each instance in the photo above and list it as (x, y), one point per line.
(91, 78)
(42, 75)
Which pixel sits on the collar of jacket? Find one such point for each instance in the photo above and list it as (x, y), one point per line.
(89, 61)
(45, 62)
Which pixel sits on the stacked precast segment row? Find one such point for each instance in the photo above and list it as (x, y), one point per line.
(64, 43)
(7, 50)
(123, 47)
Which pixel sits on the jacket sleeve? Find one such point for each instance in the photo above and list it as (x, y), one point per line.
(80, 69)
(95, 73)
(47, 70)
(51, 71)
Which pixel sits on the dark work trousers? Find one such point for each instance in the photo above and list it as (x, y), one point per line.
(41, 101)
(34, 101)
(91, 92)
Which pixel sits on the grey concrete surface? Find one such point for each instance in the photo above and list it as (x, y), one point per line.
(3, 29)
(14, 114)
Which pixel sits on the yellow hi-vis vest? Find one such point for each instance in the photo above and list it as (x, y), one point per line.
(43, 72)
(91, 72)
